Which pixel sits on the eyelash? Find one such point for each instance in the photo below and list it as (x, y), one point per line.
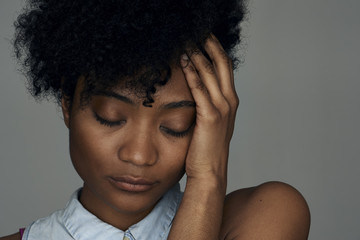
(107, 123)
(173, 133)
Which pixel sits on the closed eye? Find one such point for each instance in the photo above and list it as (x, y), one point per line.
(106, 122)
(178, 134)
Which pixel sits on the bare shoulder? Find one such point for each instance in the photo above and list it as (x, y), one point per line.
(15, 236)
(272, 210)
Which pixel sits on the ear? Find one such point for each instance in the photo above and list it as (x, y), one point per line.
(66, 110)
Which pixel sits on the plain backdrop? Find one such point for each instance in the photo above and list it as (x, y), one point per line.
(298, 120)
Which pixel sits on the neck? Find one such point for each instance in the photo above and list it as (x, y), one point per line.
(105, 211)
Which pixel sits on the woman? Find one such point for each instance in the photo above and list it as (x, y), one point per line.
(147, 93)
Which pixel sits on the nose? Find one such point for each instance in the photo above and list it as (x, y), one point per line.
(138, 148)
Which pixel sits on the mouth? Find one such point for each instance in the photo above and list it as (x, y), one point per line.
(132, 184)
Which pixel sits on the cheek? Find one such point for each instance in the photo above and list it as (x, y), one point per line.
(87, 152)
(79, 153)
(174, 156)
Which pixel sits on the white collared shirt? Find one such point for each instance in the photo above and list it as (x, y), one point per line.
(75, 222)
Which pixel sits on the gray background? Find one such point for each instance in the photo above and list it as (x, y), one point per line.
(298, 119)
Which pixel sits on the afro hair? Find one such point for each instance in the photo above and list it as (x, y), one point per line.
(56, 42)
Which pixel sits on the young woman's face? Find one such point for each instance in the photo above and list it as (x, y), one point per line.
(129, 155)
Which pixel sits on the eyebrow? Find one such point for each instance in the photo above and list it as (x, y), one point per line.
(122, 98)
(113, 95)
(179, 104)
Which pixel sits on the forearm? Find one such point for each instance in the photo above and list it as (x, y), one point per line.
(212, 87)
(200, 213)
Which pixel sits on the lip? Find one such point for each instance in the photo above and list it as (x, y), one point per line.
(132, 184)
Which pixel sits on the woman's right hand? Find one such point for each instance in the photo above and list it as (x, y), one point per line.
(212, 87)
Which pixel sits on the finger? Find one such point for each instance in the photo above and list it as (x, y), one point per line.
(208, 76)
(196, 85)
(223, 66)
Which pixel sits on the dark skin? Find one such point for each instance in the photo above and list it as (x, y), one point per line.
(119, 137)
(270, 211)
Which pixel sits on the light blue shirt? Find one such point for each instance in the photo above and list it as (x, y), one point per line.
(75, 222)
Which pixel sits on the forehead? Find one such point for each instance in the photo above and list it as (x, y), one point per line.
(176, 89)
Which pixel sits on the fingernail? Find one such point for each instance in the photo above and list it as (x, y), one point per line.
(184, 60)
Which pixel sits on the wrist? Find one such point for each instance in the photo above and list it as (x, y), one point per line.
(207, 183)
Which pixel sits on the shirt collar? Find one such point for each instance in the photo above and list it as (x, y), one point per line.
(83, 225)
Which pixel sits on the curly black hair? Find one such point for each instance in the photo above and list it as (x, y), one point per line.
(56, 42)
